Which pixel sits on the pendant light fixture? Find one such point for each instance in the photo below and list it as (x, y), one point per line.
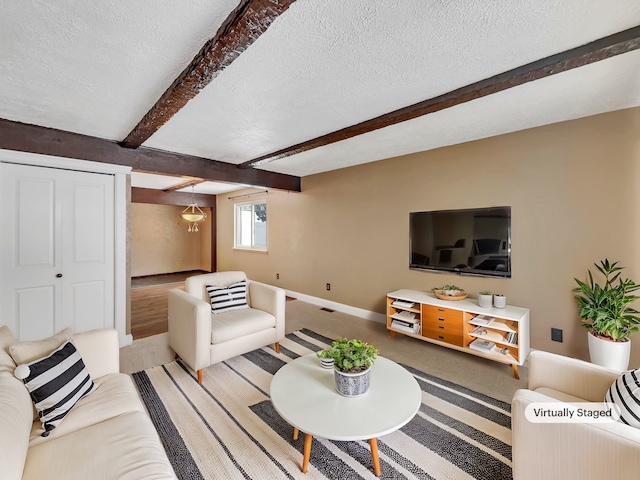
(193, 214)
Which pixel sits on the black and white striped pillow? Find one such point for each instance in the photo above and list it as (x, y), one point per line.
(224, 299)
(625, 393)
(56, 383)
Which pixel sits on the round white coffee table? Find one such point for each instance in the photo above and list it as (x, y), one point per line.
(304, 394)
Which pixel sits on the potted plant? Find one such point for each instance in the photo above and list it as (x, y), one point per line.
(485, 299)
(352, 361)
(606, 310)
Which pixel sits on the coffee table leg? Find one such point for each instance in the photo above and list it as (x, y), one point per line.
(307, 452)
(295, 433)
(374, 455)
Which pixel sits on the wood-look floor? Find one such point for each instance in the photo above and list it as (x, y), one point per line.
(149, 309)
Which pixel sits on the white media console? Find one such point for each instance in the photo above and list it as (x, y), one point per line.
(499, 334)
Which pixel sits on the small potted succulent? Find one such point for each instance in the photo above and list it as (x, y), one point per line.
(485, 299)
(352, 361)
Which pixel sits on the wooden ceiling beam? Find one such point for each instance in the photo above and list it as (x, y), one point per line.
(161, 197)
(48, 141)
(596, 51)
(242, 27)
(187, 183)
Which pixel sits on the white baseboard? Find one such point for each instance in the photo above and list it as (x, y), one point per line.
(125, 340)
(340, 307)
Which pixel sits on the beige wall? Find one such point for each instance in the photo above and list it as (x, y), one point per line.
(160, 242)
(573, 187)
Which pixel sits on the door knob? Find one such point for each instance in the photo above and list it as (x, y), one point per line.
(59, 275)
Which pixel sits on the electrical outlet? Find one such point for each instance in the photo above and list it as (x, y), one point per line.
(277, 276)
(556, 334)
(328, 286)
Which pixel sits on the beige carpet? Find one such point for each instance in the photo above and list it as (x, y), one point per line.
(484, 376)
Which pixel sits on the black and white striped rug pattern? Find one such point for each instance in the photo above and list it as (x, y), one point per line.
(227, 428)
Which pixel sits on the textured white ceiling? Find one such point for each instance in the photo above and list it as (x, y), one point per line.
(96, 68)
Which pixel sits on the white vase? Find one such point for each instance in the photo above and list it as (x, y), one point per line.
(353, 384)
(484, 301)
(499, 301)
(609, 354)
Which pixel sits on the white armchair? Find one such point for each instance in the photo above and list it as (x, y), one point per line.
(570, 450)
(201, 338)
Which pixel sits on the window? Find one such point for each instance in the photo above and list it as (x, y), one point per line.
(251, 225)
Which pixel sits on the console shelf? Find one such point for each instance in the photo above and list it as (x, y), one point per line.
(451, 323)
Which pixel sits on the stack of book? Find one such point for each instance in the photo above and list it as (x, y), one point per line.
(405, 322)
(403, 304)
(482, 346)
(405, 327)
(512, 338)
(482, 320)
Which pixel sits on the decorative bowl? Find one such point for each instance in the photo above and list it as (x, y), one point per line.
(442, 296)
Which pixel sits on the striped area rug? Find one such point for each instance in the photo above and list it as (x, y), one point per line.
(227, 428)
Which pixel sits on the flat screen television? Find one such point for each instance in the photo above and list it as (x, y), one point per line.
(474, 241)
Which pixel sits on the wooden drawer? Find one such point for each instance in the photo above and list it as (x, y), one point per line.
(439, 329)
(435, 316)
(444, 336)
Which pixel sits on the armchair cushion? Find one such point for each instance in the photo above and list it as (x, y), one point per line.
(239, 323)
(625, 393)
(225, 299)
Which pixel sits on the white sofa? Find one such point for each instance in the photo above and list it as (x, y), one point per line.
(106, 435)
(201, 338)
(570, 450)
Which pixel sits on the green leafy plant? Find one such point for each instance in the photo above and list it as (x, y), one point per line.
(350, 356)
(324, 354)
(450, 290)
(485, 292)
(606, 309)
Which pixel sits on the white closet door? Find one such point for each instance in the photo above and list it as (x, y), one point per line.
(57, 261)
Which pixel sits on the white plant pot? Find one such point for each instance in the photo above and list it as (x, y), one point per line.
(609, 354)
(353, 384)
(499, 301)
(485, 301)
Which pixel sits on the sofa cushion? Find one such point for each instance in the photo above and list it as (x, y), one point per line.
(115, 395)
(225, 299)
(625, 394)
(56, 382)
(239, 323)
(16, 417)
(126, 446)
(26, 352)
(6, 339)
